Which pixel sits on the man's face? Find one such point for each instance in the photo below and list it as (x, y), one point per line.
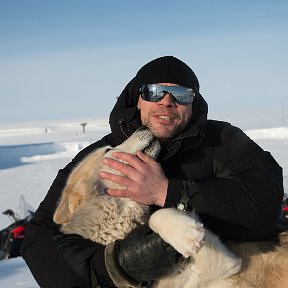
(166, 119)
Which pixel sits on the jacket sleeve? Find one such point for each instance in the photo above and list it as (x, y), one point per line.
(242, 200)
(44, 257)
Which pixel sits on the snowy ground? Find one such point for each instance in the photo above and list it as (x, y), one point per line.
(32, 153)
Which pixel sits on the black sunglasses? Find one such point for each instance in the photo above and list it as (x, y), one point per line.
(156, 92)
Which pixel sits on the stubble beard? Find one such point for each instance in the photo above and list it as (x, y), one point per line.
(164, 135)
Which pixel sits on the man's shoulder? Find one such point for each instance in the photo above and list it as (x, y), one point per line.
(222, 129)
(217, 126)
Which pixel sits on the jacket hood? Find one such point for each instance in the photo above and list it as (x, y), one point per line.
(125, 118)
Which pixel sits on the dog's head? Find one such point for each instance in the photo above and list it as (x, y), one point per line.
(84, 180)
(142, 139)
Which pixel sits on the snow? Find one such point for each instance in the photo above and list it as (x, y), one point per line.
(15, 273)
(32, 153)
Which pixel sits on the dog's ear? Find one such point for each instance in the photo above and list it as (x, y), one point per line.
(66, 207)
(79, 185)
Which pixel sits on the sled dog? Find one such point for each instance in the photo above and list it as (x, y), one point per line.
(85, 209)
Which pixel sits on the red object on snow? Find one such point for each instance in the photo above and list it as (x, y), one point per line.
(18, 232)
(285, 208)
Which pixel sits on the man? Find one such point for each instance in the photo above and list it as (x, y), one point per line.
(210, 166)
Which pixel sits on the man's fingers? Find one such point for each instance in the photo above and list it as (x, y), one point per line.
(131, 159)
(118, 193)
(123, 168)
(118, 179)
(145, 157)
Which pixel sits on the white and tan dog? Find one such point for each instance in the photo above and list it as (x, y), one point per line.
(85, 209)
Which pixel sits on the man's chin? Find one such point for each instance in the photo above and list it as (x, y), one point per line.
(164, 135)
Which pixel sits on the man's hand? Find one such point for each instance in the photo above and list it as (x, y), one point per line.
(142, 176)
(141, 256)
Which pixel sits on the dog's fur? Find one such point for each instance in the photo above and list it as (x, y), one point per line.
(85, 209)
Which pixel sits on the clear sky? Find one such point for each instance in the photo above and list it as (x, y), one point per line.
(71, 59)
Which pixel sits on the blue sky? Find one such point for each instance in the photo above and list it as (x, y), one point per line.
(71, 59)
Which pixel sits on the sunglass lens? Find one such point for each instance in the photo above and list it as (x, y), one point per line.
(155, 92)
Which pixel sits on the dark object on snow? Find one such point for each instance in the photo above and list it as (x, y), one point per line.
(12, 237)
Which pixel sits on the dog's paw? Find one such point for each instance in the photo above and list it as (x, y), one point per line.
(182, 231)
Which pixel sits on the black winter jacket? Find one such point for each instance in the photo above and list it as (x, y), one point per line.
(233, 184)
